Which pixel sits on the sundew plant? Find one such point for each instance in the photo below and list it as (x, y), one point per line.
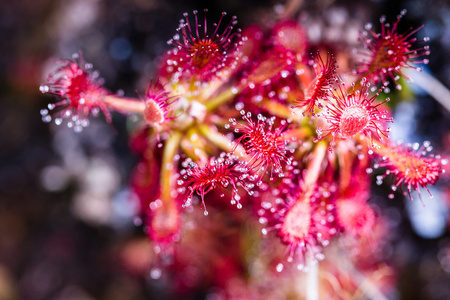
(258, 147)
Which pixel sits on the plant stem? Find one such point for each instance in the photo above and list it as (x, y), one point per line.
(220, 99)
(312, 280)
(193, 146)
(167, 165)
(124, 104)
(313, 171)
(431, 85)
(221, 141)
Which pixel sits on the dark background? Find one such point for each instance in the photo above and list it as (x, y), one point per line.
(50, 248)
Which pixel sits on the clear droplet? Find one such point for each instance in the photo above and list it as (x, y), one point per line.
(46, 119)
(279, 267)
(44, 88)
(155, 273)
(137, 221)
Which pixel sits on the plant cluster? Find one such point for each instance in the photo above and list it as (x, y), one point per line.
(264, 125)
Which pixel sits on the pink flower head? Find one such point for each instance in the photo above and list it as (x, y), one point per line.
(159, 105)
(81, 93)
(320, 87)
(205, 176)
(204, 54)
(389, 52)
(266, 148)
(351, 113)
(410, 166)
(305, 224)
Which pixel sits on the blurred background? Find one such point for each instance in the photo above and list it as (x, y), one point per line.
(67, 217)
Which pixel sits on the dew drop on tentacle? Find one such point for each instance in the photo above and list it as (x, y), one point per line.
(279, 267)
(155, 273)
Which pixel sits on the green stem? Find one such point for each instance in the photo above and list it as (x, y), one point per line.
(220, 140)
(168, 167)
(215, 137)
(193, 146)
(224, 97)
